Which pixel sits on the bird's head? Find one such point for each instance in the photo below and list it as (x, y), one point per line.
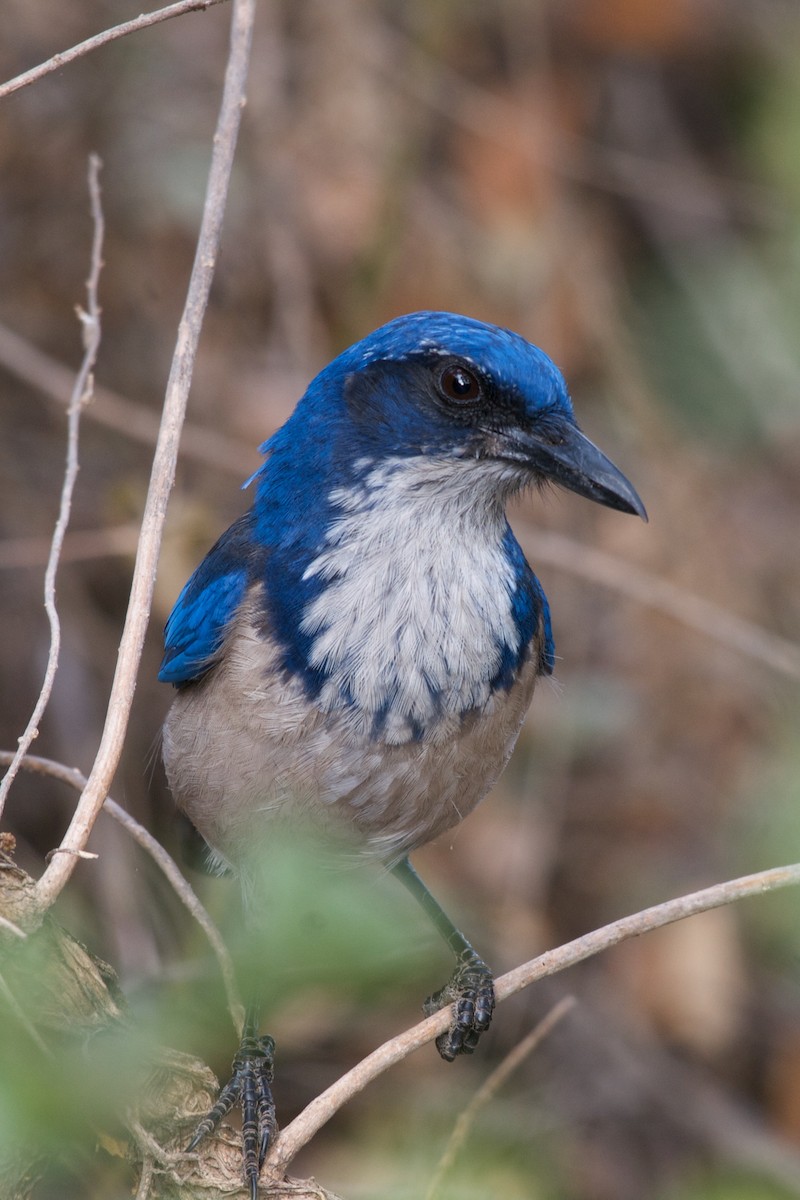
(443, 386)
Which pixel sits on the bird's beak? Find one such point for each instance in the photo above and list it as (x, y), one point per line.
(572, 461)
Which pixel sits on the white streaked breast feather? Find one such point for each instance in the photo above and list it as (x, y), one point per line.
(417, 610)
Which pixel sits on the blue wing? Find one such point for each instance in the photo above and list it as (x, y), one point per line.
(197, 624)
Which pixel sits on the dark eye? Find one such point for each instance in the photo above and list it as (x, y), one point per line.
(459, 384)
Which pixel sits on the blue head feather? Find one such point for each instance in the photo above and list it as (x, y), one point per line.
(326, 429)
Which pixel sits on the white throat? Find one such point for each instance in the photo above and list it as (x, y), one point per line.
(417, 611)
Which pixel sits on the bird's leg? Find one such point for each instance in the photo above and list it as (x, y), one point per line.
(250, 1083)
(470, 988)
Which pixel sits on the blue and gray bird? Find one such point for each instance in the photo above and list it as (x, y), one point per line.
(358, 651)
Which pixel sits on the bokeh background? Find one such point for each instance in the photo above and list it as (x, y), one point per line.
(620, 182)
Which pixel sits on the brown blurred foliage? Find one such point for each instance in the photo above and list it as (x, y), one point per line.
(618, 182)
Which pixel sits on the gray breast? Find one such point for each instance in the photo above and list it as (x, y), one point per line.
(245, 746)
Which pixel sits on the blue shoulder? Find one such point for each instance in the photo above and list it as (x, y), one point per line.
(547, 649)
(196, 627)
(531, 615)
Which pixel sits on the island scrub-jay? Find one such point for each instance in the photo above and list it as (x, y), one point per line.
(360, 648)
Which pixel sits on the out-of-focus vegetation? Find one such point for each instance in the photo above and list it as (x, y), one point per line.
(619, 182)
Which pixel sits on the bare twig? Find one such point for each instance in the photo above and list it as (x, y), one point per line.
(492, 1084)
(148, 1146)
(692, 610)
(87, 855)
(113, 541)
(10, 926)
(137, 422)
(163, 472)
(145, 1179)
(23, 1018)
(189, 897)
(81, 392)
(324, 1106)
(164, 861)
(143, 21)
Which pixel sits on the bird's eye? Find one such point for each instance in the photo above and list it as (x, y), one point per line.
(459, 384)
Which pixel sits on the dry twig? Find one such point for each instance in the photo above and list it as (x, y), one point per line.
(323, 1107)
(164, 461)
(135, 421)
(491, 1086)
(145, 1179)
(188, 896)
(9, 925)
(81, 393)
(143, 21)
(164, 861)
(649, 590)
(22, 1017)
(79, 546)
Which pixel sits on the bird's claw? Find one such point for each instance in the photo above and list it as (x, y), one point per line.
(470, 990)
(250, 1083)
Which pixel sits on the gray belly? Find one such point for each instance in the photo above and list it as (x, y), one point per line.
(244, 747)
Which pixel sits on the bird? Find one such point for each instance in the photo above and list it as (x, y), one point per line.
(357, 651)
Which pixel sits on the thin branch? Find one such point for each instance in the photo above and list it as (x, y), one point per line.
(9, 925)
(145, 1179)
(101, 39)
(137, 422)
(149, 1147)
(164, 461)
(189, 897)
(164, 861)
(81, 393)
(323, 1107)
(692, 610)
(111, 542)
(491, 1086)
(23, 1018)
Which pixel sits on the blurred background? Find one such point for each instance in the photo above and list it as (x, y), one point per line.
(619, 182)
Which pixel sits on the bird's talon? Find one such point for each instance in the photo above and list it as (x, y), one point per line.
(470, 990)
(250, 1084)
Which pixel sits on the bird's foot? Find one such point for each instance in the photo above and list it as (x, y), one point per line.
(470, 990)
(250, 1083)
